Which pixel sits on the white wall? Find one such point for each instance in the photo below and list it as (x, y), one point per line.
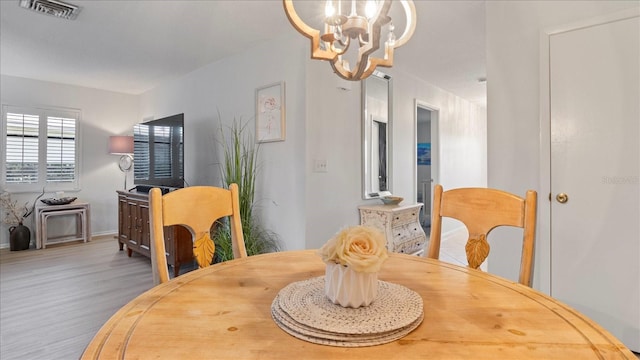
(333, 133)
(513, 38)
(103, 114)
(228, 86)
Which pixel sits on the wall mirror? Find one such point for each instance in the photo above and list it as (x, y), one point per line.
(376, 135)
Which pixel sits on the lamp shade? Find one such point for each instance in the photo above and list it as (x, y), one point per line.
(120, 145)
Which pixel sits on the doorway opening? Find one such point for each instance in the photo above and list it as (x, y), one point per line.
(427, 157)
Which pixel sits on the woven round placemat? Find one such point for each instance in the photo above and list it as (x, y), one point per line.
(302, 310)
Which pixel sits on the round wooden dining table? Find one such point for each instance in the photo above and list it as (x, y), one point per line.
(224, 312)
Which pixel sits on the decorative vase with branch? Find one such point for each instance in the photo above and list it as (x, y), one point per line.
(14, 215)
(240, 166)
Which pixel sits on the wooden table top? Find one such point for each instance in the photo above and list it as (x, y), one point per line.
(224, 312)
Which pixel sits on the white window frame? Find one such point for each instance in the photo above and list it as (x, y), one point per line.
(43, 113)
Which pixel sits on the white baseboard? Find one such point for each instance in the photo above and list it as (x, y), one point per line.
(94, 235)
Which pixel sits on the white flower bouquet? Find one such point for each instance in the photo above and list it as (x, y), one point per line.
(362, 248)
(353, 257)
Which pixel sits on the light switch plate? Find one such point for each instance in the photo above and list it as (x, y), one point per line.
(320, 165)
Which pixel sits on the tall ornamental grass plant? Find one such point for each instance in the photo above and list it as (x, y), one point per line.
(240, 166)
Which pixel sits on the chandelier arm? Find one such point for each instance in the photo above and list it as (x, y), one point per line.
(345, 47)
(361, 40)
(410, 11)
(311, 33)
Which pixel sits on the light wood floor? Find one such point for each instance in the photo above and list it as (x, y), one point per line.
(54, 300)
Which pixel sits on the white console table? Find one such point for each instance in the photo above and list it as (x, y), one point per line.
(400, 224)
(83, 222)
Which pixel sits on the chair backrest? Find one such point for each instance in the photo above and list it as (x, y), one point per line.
(196, 208)
(481, 210)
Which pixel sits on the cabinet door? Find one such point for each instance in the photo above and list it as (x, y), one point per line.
(131, 210)
(144, 233)
(124, 220)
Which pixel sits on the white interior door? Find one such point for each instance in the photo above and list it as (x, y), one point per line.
(595, 157)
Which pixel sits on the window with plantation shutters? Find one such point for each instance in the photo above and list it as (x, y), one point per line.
(40, 149)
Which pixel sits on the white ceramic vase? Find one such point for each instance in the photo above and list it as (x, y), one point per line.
(349, 288)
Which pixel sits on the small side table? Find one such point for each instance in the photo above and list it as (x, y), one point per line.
(80, 209)
(399, 223)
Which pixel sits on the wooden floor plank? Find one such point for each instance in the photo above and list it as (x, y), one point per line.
(54, 300)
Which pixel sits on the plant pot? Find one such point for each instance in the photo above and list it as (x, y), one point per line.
(19, 237)
(349, 288)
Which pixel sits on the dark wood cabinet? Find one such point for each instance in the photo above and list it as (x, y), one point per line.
(134, 231)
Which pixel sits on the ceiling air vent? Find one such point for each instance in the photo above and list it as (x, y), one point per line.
(52, 7)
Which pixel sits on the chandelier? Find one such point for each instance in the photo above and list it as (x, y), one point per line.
(362, 28)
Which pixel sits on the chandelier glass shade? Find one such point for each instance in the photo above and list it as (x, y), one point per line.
(361, 28)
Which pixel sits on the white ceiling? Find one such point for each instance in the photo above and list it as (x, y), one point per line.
(132, 46)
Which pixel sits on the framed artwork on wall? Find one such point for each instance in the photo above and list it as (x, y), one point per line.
(270, 113)
(424, 153)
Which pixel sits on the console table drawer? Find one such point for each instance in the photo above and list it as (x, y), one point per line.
(406, 217)
(414, 246)
(407, 231)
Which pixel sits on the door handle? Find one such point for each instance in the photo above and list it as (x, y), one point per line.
(562, 198)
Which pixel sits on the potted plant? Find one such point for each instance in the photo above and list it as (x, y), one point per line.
(14, 216)
(240, 166)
